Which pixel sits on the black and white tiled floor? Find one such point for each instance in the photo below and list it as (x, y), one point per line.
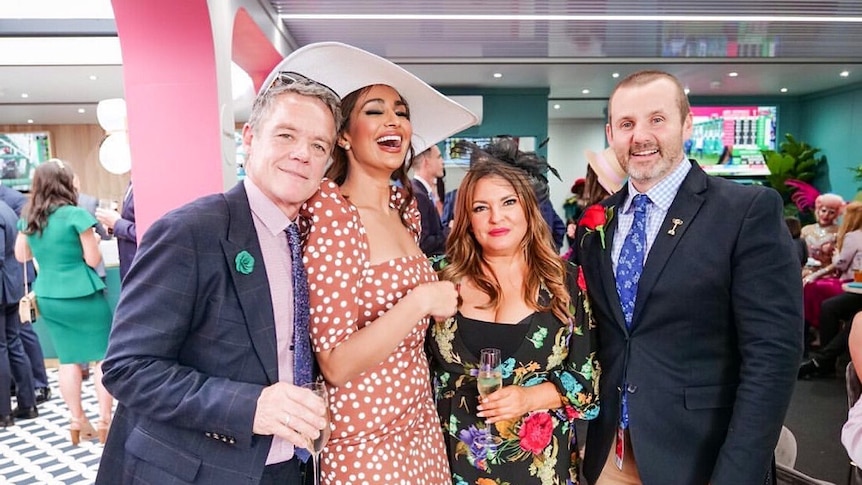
(38, 451)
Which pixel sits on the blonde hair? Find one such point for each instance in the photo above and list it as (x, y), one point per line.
(852, 221)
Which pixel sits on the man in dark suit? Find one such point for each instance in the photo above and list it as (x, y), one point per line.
(13, 360)
(699, 346)
(122, 225)
(427, 168)
(210, 341)
(32, 346)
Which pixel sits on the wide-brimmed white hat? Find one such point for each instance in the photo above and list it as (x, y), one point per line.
(608, 170)
(345, 68)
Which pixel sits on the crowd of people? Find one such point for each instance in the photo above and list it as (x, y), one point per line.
(330, 263)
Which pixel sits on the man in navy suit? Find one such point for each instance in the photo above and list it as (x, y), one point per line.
(122, 225)
(201, 356)
(697, 375)
(427, 168)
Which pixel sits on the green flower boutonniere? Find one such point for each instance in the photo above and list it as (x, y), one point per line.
(244, 262)
(595, 219)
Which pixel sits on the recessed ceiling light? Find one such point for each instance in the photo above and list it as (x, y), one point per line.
(585, 91)
(25, 95)
(93, 77)
(81, 110)
(498, 75)
(556, 106)
(686, 90)
(615, 75)
(844, 74)
(783, 90)
(733, 74)
(30, 121)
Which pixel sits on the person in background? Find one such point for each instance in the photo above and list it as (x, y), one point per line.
(690, 394)
(518, 296)
(13, 359)
(122, 225)
(820, 236)
(851, 432)
(73, 307)
(427, 169)
(210, 344)
(29, 339)
(604, 177)
(440, 193)
(372, 291)
(839, 306)
(795, 228)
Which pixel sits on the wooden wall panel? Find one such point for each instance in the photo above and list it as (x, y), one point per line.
(79, 146)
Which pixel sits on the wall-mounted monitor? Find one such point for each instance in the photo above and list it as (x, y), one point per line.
(20, 153)
(728, 140)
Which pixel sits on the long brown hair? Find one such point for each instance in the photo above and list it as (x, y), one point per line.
(53, 187)
(851, 221)
(465, 255)
(337, 172)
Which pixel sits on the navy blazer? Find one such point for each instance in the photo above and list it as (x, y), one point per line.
(432, 238)
(12, 274)
(710, 362)
(192, 347)
(126, 233)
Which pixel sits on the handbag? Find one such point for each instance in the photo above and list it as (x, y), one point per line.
(28, 312)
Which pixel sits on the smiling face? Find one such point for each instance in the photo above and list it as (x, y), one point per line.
(646, 130)
(379, 130)
(497, 218)
(288, 151)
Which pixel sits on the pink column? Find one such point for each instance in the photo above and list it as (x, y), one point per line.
(172, 101)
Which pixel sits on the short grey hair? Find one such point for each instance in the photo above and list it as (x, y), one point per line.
(263, 102)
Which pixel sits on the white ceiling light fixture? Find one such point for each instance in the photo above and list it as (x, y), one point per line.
(732, 74)
(498, 75)
(585, 91)
(783, 90)
(556, 106)
(615, 75)
(577, 18)
(82, 110)
(30, 122)
(844, 74)
(114, 152)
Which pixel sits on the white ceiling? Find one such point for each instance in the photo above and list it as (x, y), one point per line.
(566, 46)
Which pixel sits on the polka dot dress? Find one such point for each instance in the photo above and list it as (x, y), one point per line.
(385, 426)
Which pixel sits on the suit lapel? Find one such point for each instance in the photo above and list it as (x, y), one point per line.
(252, 289)
(684, 209)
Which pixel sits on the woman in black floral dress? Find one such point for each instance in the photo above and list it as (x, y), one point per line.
(519, 296)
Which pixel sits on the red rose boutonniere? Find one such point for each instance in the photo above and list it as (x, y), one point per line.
(595, 219)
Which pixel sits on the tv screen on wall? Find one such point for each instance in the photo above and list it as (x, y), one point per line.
(729, 140)
(20, 153)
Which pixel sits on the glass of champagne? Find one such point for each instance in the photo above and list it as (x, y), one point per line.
(490, 377)
(316, 446)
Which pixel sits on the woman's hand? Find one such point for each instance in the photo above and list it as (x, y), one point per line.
(441, 298)
(510, 402)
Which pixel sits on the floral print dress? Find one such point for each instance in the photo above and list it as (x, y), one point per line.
(541, 447)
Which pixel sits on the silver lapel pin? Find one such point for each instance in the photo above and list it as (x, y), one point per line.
(676, 223)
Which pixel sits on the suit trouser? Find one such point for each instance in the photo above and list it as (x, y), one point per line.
(34, 351)
(611, 475)
(832, 312)
(14, 362)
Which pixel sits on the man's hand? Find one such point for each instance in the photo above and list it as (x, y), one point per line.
(107, 217)
(289, 412)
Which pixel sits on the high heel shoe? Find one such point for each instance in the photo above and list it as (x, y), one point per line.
(102, 428)
(75, 431)
(87, 430)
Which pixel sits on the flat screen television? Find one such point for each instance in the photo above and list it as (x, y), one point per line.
(728, 140)
(20, 153)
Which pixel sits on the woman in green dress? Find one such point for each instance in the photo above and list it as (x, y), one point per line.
(60, 236)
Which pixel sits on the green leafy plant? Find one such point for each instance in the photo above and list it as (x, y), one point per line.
(857, 174)
(793, 160)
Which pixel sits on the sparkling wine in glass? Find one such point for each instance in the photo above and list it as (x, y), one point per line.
(315, 446)
(490, 377)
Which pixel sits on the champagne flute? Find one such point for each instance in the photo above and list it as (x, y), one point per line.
(315, 446)
(490, 377)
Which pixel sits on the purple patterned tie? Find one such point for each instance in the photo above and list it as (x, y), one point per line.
(629, 267)
(302, 358)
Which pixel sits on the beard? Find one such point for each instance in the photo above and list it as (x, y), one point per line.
(653, 171)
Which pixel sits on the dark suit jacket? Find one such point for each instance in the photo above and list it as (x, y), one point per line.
(192, 346)
(716, 337)
(90, 203)
(10, 269)
(127, 235)
(432, 239)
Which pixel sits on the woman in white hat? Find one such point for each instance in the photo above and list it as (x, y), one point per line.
(372, 291)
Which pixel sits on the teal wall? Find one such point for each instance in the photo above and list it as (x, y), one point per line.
(516, 112)
(833, 123)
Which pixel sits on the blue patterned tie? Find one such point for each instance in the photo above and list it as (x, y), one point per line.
(302, 358)
(629, 267)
